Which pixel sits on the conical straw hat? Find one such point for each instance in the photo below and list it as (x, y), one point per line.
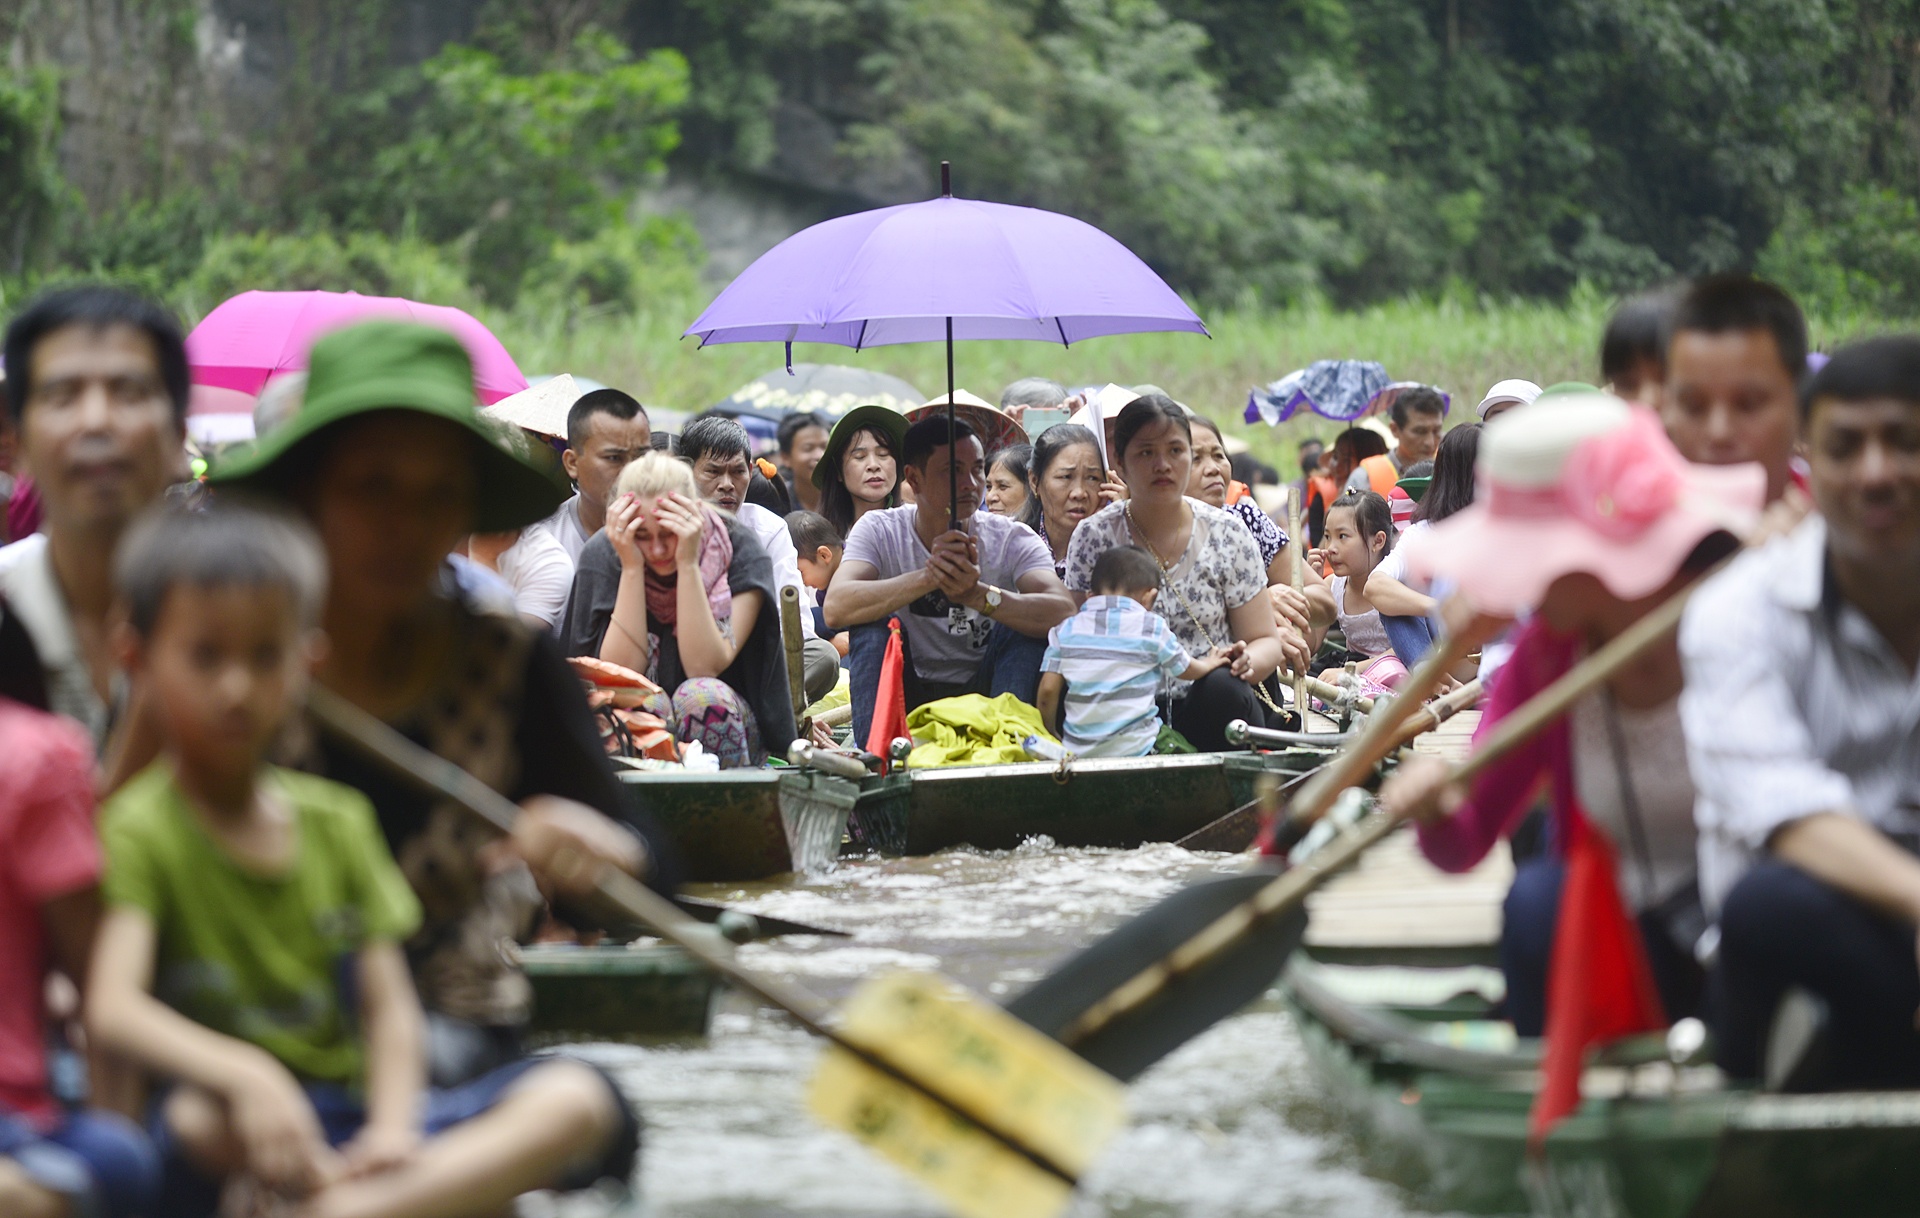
(542, 408)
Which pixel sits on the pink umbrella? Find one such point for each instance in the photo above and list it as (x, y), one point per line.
(256, 335)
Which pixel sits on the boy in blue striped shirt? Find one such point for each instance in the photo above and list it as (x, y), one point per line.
(1106, 663)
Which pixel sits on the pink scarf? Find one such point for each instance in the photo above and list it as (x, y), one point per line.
(716, 555)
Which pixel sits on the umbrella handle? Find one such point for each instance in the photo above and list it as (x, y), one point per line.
(953, 444)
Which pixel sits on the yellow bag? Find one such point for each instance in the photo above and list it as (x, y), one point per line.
(972, 730)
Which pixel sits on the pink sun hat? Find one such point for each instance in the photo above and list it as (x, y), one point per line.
(1586, 484)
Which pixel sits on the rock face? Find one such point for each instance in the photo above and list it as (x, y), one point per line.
(156, 94)
(153, 93)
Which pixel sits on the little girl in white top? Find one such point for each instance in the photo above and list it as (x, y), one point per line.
(1360, 534)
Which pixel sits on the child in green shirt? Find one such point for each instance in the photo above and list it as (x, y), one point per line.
(251, 949)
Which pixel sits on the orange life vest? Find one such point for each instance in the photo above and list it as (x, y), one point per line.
(1382, 477)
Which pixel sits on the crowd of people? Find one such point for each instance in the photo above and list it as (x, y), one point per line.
(284, 963)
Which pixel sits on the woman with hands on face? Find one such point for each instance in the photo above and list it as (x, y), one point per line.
(683, 593)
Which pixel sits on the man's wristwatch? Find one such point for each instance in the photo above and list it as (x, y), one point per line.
(994, 597)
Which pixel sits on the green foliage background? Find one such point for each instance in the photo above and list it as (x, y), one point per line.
(1399, 179)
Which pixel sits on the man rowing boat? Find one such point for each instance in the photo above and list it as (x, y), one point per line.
(1802, 714)
(1588, 517)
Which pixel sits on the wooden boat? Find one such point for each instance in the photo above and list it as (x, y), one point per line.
(1438, 1096)
(621, 992)
(734, 825)
(1394, 1000)
(1120, 802)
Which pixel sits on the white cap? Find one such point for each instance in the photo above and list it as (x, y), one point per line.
(1517, 391)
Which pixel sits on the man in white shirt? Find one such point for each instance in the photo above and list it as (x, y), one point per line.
(720, 452)
(975, 606)
(605, 430)
(97, 387)
(1802, 715)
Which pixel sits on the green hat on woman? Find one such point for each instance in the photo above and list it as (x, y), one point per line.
(888, 422)
(393, 365)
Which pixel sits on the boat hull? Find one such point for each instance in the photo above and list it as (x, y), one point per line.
(1647, 1142)
(617, 993)
(1119, 802)
(741, 825)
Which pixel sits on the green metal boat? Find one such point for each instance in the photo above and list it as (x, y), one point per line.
(736, 825)
(624, 992)
(1120, 802)
(1437, 1094)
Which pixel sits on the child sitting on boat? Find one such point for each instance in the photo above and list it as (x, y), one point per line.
(54, 1159)
(820, 548)
(1359, 535)
(1104, 665)
(250, 954)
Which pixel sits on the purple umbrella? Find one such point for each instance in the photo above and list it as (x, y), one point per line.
(944, 269)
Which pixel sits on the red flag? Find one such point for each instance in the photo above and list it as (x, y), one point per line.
(890, 700)
(1599, 985)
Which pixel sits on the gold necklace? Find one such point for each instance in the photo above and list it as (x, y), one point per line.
(1166, 580)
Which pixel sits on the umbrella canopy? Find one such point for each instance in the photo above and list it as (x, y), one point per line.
(1337, 388)
(251, 337)
(899, 274)
(944, 269)
(830, 389)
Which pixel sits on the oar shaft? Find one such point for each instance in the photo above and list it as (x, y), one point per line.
(1291, 888)
(635, 900)
(1378, 739)
(1337, 693)
(1579, 681)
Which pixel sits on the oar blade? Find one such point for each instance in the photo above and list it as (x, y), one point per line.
(1189, 1004)
(997, 1068)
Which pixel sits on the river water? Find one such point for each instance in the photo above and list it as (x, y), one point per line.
(1230, 1125)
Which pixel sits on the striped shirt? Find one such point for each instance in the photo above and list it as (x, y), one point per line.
(1794, 705)
(1113, 655)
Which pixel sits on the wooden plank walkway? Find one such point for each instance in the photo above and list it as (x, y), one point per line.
(1395, 906)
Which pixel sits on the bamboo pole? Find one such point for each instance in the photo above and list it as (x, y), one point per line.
(795, 645)
(1296, 547)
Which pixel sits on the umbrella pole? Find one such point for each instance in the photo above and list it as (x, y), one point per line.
(953, 446)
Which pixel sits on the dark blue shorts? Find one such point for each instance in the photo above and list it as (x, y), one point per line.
(342, 1112)
(100, 1161)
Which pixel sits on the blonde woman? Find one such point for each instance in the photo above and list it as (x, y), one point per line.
(683, 592)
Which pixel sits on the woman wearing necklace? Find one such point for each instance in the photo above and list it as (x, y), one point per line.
(1588, 516)
(1215, 584)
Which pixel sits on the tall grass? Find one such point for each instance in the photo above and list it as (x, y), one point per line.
(1462, 346)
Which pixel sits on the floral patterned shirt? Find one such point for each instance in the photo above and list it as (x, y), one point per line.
(1221, 570)
(1267, 535)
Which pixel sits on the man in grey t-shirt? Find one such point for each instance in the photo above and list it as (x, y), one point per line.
(975, 605)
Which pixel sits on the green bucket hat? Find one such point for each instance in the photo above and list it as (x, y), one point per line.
(393, 365)
(1416, 488)
(888, 422)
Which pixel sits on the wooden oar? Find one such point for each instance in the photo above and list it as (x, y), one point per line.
(1112, 1003)
(633, 899)
(1237, 829)
(1171, 972)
